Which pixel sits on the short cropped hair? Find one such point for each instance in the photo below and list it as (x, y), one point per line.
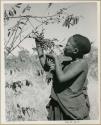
(83, 43)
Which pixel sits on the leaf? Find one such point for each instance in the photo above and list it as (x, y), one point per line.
(20, 28)
(17, 6)
(11, 13)
(18, 105)
(76, 20)
(18, 3)
(68, 26)
(5, 14)
(23, 23)
(26, 8)
(67, 22)
(23, 10)
(60, 45)
(14, 10)
(49, 5)
(8, 34)
(23, 111)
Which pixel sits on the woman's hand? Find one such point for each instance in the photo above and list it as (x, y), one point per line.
(37, 40)
(51, 64)
(61, 58)
(52, 56)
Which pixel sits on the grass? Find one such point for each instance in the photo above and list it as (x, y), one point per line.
(28, 103)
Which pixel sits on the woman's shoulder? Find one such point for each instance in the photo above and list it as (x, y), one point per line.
(81, 63)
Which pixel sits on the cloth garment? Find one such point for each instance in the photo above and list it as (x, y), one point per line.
(69, 100)
(56, 113)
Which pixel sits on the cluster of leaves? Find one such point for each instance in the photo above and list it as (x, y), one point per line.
(61, 16)
(47, 44)
(70, 21)
(25, 110)
(14, 33)
(13, 11)
(19, 25)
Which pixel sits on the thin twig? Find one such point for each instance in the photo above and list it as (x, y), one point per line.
(33, 28)
(18, 34)
(20, 31)
(14, 37)
(12, 33)
(20, 42)
(9, 40)
(37, 20)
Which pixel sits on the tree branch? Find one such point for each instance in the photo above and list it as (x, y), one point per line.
(29, 16)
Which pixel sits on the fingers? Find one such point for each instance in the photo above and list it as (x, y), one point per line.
(50, 62)
(37, 40)
(52, 67)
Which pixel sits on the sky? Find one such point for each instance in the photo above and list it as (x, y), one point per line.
(87, 25)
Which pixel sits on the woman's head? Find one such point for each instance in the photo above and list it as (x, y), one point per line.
(77, 46)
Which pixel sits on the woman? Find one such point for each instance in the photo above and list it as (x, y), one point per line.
(69, 99)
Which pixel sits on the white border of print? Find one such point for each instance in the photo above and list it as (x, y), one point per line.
(3, 120)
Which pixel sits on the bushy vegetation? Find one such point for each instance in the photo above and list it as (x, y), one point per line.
(28, 101)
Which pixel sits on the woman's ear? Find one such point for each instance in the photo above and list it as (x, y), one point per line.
(76, 50)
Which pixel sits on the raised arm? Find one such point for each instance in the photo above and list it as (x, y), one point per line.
(70, 72)
(74, 70)
(42, 57)
(40, 51)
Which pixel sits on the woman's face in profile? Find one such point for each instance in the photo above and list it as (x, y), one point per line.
(70, 47)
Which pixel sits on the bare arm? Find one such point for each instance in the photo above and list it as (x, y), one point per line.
(41, 55)
(71, 72)
(45, 62)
